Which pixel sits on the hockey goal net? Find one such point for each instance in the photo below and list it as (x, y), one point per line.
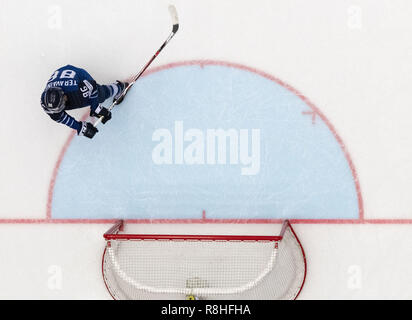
(151, 266)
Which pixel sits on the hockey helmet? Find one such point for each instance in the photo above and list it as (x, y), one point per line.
(53, 100)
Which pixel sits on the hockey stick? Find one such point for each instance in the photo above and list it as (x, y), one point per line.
(175, 21)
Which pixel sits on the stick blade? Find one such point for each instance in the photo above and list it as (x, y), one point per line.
(175, 20)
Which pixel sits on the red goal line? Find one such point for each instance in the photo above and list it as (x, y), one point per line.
(206, 221)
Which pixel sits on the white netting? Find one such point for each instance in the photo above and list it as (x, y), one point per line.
(204, 269)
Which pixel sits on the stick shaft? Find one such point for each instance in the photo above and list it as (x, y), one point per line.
(137, 76)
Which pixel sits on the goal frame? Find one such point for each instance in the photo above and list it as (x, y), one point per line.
(113, 234)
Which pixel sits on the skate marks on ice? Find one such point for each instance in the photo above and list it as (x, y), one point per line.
(211, 140)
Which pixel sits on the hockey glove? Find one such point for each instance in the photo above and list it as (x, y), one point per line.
(101, 112)
(87, 130)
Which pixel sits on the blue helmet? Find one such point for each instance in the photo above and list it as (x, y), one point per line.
(52, 100)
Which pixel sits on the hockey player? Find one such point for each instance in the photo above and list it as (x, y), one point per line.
(72, 88)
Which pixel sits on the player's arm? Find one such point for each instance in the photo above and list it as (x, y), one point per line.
(90, 91)
(83, 128)
(96, 109)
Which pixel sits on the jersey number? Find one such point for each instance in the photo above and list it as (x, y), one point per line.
(63, 74)
(87, 89)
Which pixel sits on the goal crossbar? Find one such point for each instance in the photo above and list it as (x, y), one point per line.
(113, 234)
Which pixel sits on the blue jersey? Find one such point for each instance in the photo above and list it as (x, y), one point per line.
(80, 89)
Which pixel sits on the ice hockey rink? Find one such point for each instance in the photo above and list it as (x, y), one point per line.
(324, 85)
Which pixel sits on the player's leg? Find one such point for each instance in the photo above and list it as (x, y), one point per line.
(112, 91)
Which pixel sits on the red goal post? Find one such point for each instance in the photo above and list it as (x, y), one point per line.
(164, 266)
